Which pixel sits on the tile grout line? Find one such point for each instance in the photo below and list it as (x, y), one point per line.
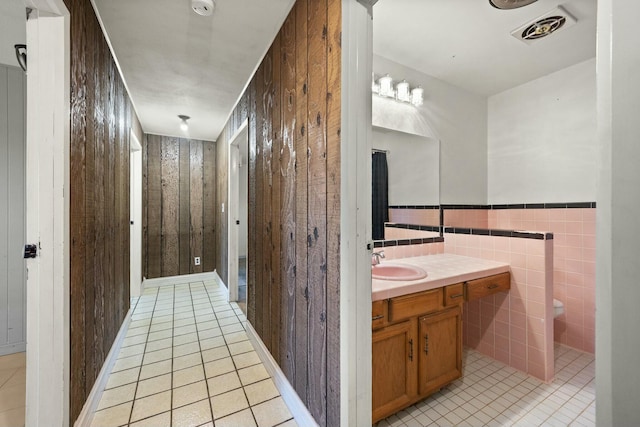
(143, 353)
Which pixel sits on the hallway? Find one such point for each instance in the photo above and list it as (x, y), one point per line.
(186, 361)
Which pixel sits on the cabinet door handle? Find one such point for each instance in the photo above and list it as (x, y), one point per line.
(493, 286)
(378, 317)
(456, 296)
(426, 344)
(411, 349)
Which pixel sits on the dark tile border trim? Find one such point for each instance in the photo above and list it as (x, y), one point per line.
(502, 233)
(404, 242)
(415, 207)
(568, 205)
(413, 226)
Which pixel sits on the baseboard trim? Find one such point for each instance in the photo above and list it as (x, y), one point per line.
(91, 404)
(178, 280)
(13, 348)
(291, 398)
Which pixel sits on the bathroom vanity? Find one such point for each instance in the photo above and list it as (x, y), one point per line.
(417, 326)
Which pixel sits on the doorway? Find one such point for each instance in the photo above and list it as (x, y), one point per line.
(135, 212)
(47, 214)
(238, 217)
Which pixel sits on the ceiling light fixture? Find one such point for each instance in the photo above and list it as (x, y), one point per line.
(401, 92)
(184, 126)
(510, 4)
(203, 7)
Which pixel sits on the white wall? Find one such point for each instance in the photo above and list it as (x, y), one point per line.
(542, 144)
(13, 30)
(618, 228)
(12, 209)
(459, 119)
(413, 165)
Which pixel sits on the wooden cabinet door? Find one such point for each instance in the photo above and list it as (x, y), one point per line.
(394, 368)
(440, 359)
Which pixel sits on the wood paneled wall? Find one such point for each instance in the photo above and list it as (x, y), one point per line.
(293, 108)
(101, 118)
(178, 218)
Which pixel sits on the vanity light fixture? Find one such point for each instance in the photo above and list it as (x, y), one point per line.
(402, 92)
(184, 126)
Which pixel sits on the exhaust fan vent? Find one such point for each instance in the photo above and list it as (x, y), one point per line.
(510, 4)
(544, 25)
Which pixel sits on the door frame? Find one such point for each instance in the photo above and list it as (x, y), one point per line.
(135, 215)
(232, 209)
(47, 217)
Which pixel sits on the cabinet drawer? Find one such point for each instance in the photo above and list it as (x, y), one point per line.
(378, 316)
(488, 286)
(415, 304)
(453, 294)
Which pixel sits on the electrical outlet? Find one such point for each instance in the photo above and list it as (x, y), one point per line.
(196, 260)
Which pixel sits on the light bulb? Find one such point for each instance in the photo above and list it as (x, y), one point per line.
(402, 91)
(184, 126)
(416, 96)
(386, 86)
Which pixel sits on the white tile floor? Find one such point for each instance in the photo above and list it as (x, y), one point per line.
(13, 379)
(186, 361)
(493, 394)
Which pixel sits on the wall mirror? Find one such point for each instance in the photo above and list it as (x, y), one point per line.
(409, 166)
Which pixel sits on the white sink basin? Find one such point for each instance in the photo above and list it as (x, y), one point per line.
(398, 272)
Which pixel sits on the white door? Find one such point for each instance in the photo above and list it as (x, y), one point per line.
(135, 212)
(233, 213)
(47, 219)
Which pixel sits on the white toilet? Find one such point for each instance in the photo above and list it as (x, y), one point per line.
(558, 308)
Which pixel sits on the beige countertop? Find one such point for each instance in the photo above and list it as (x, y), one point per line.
(442, 270)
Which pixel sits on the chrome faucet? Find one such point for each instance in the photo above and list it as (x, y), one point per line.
(375, 257)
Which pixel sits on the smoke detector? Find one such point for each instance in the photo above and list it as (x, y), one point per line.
(510, 4)
(545, 25)
(203, 7)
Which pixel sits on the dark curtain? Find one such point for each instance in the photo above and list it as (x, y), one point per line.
(379, 194)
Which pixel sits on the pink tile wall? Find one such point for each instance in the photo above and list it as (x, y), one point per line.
(406, 251)
(393, 233)
(574, 265)
(515, 327)
(415, 216)
(467, 218)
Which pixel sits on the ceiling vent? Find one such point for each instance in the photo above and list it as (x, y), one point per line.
(545, 25)
(510, 4)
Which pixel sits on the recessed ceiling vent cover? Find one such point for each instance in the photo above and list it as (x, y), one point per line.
(510, 4)
(544, 25)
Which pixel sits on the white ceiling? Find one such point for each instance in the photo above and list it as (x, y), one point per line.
(176, 62)
(468, 43)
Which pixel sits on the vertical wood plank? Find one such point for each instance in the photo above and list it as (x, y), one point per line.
(267, 185)
(317, 205)
(170, 203)
(90, 204)
(109, 238)
(334, 59)
(257, 235)
(288, 197)
(185, 206)
(252, 209)
(276, 206)
(124, 122)
(208, 199)
(301, 137)
(77, 214)
(154, 202)
(196, 203)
